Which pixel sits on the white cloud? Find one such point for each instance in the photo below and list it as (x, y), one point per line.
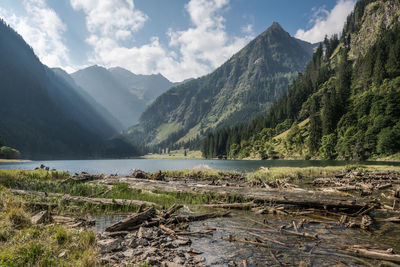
(327, 23)
(111, 18)
(198, 50)
(42, 29)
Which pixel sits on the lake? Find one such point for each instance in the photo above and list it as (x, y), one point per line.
(125, 166)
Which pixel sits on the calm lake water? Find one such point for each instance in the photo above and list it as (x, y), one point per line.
(125, 166)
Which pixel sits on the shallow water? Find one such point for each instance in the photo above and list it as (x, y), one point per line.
(323, 252)
(125, 166)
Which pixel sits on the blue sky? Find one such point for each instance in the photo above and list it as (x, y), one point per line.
(177, 38)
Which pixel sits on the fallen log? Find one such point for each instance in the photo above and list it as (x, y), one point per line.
(240, 206)
(95, 201)
(133, 221)
(193, 218)
(303, 198)
(375, 254)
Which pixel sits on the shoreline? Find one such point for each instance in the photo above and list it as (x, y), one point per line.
(14, 160)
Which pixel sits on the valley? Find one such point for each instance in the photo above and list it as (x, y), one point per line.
(184, 133)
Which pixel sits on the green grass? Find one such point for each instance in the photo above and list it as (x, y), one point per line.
(39, 174)
(201, 174)
(22, 244)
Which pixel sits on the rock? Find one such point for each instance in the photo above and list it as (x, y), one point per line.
(169, 245)
(142, 242)
(170, 264)
(144, 233)
(199, 260)
(181, 242)
(148, 253)
(128, 253)
(132, 243)
(179, 260)
(139, 174)
(108, 245)
(42, 217)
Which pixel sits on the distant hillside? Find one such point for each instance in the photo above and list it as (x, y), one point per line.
(123, 94)
(111, 120)
(41, 114)
(346, 105)
(244, 86)
(145, 87)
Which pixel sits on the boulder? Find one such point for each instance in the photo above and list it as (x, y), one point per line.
(108, 245)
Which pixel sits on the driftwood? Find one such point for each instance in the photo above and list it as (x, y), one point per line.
(305, 198)
(240, 206)
(193, 218)
(363, 222)
(132, 222)
(95, 201)
(375, 254)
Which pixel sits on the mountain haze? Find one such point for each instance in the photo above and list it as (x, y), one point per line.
(42, 115)
(111, 120)
(242, 87)
(122, 93)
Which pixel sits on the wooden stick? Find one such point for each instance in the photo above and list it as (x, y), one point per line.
(168, 230)
(374, 254)
(267, 239)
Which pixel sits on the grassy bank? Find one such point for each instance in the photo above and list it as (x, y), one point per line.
(24, 244)
(56, 182)
(12, 160)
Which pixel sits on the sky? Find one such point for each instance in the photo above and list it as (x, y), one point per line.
(178, 38)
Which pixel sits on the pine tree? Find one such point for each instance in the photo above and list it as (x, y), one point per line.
(314, 127)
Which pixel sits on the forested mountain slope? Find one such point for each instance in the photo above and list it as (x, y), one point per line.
(348, 99)
(40, 114)
(242, 87)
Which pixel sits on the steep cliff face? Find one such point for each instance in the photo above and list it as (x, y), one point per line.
(242, 87)
(376, 16)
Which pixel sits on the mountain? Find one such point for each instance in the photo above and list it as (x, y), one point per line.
(41, 114)
(110, 119)
(122, 93)
(242, 87)
(145, 87)
(345, 105)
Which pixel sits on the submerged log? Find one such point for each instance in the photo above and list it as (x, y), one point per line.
(95, 201)
(132, 222)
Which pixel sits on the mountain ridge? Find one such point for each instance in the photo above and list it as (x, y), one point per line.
(122, 93)
(243, 86)
(346, 101)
